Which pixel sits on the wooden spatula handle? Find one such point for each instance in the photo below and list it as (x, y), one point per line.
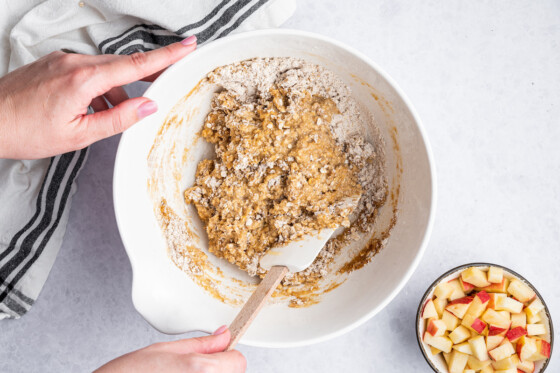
(257, 300)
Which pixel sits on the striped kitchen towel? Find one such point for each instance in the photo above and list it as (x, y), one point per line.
(35, 195)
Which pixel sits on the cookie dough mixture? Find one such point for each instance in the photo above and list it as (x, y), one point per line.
(289, 159)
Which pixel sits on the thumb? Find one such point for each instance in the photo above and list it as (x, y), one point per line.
(202, 345)
(110, 122)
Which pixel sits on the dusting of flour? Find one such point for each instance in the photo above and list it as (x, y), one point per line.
(250, 82)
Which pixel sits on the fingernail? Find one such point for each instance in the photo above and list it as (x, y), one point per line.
(189, 41)
(220, 330)
(147, 108)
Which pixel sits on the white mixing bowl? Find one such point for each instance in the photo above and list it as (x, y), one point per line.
(170, 301)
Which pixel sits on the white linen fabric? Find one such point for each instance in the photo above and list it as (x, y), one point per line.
(35, 195)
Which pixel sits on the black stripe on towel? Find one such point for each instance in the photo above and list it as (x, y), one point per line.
(222, 21)
(182, 30)
(204, 20)
(143, 36)
(27, 244)
(144, 25)
(29, 224)
(61, 209)
(240, 20)
(24, 298)
(14, 306)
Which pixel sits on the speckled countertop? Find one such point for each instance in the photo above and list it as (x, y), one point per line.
(485, 79)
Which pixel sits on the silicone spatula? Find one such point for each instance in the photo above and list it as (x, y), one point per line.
(294, 257)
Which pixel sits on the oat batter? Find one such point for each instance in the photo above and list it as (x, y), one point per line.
(290, 144)
(279, 174)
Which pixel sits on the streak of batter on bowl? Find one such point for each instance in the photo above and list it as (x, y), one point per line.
(260, 99)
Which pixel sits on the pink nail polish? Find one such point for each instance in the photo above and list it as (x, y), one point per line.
(220, 330)
(189, 41)
(146, 109)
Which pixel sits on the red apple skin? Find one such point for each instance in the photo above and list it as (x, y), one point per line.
(545, 348)
(483, 296)
(464, 300)
(431, 328)
(494, 330)
(520, 345)
(478, 325)
(493, 288)
(425, 304)
(516, 333)
(467, 286)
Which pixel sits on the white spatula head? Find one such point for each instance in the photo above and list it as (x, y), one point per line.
(297, 255)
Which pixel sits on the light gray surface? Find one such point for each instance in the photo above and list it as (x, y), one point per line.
(485, 79)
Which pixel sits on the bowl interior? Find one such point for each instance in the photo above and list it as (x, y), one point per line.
(437, 362)
(172, 303)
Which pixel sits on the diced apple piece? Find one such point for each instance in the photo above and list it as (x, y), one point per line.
(536, 329)
(460, 334)
(475, 364)
(484, 296)
(495, 275)
(439, 304)
(465, 286)
(446, 357)
(497, 288)
(457, 290)
(441, 343)
(543, 350)
(478, 348)
(492, 317)
(503, 351)
(434, 350)
(526, 347)
(533, 311)
(526, 366)
(507, 363)
(436, 327)
(518, 319)
(473, 323)
(444, 290)
(532, 318)
(535, 306)
(493, 341)
(487, 369)
(469, 370)
(505, 314)
(459, 307)
(464, 348)
(479, 304)
(429, 310)
(495, 298)
(475, 276)
(514, 334)
(508, 304)
(458, 362)
(520, 291)
(510, 370)
(494, 330)
(450, 320)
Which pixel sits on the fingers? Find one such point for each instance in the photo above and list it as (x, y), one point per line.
(128, 69)
(230, 361)
(219, 362)
(109, 122)
(201, 345)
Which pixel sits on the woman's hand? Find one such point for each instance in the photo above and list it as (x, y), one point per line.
(196, 355)
(43, 105)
